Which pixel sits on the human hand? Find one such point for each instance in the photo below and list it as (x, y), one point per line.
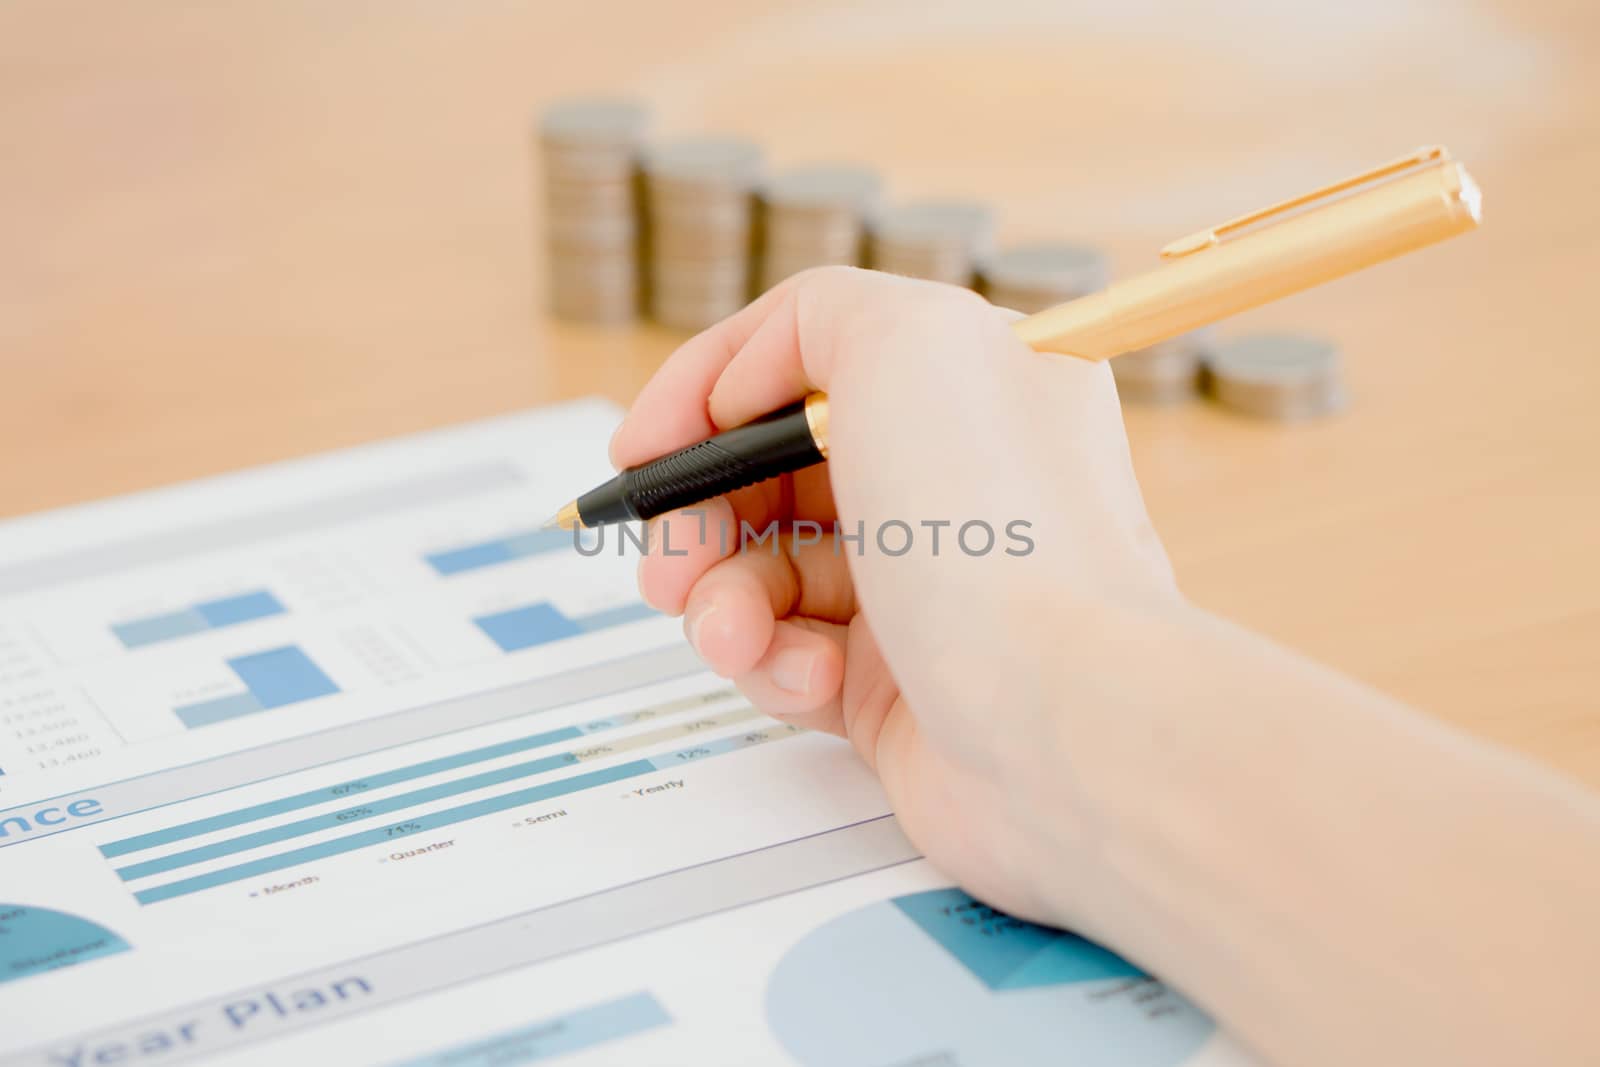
(942, 665)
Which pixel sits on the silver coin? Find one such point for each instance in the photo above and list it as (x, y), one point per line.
(1156, 391)
(725, 245)
(594, 120)
(1196, 343)
(1304, 402)
(1064, 270)
(586, 198)
(691, 314)
(1282, 376)
(933, 222)
(1176, 357)
(835, 186)
(593, 233)
(582, 305)
(790, 233)
(592, 269)
(1273, 358)
(953, 267)
(701, 287)
(1020, 300)
(725, 161)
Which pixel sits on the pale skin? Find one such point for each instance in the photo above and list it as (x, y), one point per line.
(1336, 877)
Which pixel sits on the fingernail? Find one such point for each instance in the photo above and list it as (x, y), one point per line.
(791, 670)
(692, 621)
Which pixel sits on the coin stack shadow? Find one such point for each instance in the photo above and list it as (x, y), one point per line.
(1277, 376)
(700, 203)
(941, 240)
(590, 150)
(814, 217)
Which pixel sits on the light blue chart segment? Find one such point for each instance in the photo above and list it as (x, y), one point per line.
(500, 550)
(540, 624)
(937, 976)
(36, 940)
(248, 607)
(198, 618)
(272, 679)
(557, 1036)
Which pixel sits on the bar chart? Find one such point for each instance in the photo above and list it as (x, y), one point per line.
(197, 618)
(387, 834)
(271, 679)
(355, 787)
(539, 624)
(395, 814)
(499, 550)
(401, 802)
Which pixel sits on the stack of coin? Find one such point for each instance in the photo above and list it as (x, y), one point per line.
(589, 149)
(814, 217)
(1279, 376)
(1033, 277)
(1165, 372)
(942, 240)
(700, 203)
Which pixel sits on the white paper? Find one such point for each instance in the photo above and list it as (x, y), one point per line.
(340, 761)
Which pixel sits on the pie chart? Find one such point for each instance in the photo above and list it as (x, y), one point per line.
(35, 940)
(939, 978)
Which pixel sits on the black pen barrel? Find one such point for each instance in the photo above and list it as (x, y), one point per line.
(772, 445)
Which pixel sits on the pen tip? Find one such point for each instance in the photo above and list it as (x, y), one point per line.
(565, 519)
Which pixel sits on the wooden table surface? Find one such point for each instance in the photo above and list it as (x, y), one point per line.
(241, 231)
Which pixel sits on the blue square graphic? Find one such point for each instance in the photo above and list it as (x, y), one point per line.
(282, 676)
(536, 624)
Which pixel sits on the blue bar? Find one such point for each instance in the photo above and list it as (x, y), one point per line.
(556, 1036)
(219, 710)
(601, 620)
(470, 558)
(157, 628)
(500, 550)
(208, 615)
(346, 789)
(450, 816)
(519, 628)
(333, 819)
(437, 820)
(282, 676)
(246, 607)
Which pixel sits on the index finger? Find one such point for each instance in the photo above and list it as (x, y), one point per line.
(690, 398)
(670, 412)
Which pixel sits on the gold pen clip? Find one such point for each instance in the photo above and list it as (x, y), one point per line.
(1199, 242)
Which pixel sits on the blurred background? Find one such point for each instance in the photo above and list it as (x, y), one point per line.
(239, 231)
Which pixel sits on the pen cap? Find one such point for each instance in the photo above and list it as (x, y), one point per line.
(1209, 277)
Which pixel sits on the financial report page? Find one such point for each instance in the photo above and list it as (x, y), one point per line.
(346, 759)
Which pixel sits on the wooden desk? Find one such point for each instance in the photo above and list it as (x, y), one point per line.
(233, 233)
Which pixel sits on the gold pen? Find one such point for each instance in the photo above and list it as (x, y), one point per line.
(1401, 206)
